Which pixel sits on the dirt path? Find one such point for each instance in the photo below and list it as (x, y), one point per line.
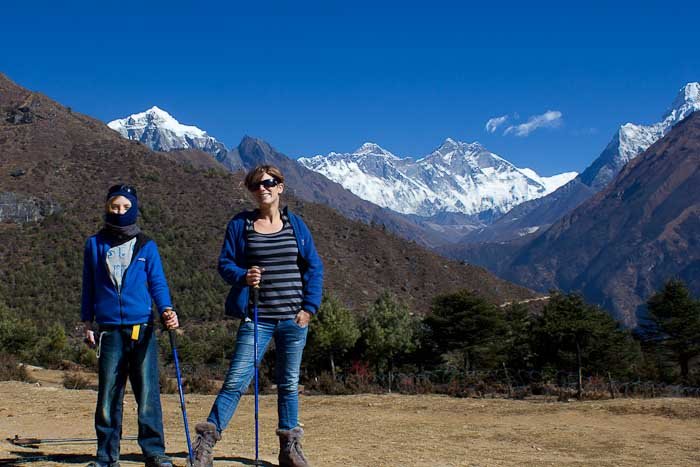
(384, 430)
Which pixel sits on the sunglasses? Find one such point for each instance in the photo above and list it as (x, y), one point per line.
(121, 188)
(268, 184)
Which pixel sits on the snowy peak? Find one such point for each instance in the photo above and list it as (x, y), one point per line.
(688, 95)
(373, 149)
(162, 132)
(155, 114)
(686, 102)
(550, 183)
(448, 145)
(155, 117)
(458, 147)
(457, 177)
(633, 139)
(458, 156)
(453, 145)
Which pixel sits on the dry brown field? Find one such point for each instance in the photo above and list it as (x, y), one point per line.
(378, 430)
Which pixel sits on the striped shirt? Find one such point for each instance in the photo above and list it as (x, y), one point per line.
(281, 289)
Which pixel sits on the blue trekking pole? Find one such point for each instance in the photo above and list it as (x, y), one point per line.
(182, 397)
(256, 298)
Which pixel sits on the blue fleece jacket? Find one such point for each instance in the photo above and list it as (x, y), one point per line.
(143, 282)
(233, 267)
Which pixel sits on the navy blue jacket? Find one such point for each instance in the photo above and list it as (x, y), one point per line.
(143, 279)
(233, 267)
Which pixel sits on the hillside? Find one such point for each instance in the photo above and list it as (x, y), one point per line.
(620, 246)
(628, 142)
(54, 157)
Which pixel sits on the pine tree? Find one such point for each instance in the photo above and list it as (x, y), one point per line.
(572, 334)
(467, 324)
(675, 324)
(519, 322)
(388, 331)
(334, 330)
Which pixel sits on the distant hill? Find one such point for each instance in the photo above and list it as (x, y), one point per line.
(620, 246)
(53, 157)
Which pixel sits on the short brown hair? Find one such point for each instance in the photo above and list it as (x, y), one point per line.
(256, 174)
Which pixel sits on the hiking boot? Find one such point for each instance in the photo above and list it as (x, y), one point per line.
(207, 436)
(291, 454)
(103, 464)
(159, 461)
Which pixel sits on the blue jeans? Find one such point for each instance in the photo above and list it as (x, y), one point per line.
(120, 356)
(290, 339)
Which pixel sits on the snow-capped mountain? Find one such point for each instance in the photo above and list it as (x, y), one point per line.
(632, 139)
(456, 177)
(161, 132)
(628, 141)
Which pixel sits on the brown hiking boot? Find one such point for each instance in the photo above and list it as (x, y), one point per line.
(207, 436)
(291, 454)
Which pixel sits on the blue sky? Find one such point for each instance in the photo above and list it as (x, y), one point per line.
(326, 76)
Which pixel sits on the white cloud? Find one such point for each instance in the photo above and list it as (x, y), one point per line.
(549, 119)
(493, 123)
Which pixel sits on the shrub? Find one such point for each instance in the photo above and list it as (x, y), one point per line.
(326, 384)
(200, 382)
(12, 370)
(74, 380)
(168, 385)
(88, 358)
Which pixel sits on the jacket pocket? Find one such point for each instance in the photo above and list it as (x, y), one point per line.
(236, 304)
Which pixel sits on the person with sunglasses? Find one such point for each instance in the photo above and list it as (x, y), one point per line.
(122, 276)
(269, 248)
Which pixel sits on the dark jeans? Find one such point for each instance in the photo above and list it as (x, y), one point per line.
(290, 340)
(120, 356)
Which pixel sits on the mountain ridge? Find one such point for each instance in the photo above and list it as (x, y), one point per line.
(456, 177)
(629, 141)
(70, 159)
(620, 245)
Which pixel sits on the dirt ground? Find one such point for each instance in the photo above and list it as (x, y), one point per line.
(377, 430)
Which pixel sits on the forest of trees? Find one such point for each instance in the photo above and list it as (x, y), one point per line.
(460, 338)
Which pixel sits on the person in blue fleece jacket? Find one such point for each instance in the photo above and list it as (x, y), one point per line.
(269, 248)
(122, 276)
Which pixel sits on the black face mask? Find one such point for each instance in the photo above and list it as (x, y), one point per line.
(122, 220)
(129, 217)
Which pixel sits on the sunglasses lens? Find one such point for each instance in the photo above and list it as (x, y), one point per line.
(269, 183)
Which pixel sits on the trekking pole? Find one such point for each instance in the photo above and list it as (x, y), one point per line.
(171, 334)
(33, 442)
(256, 298)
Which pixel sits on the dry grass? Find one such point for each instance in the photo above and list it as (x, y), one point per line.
(392, 430)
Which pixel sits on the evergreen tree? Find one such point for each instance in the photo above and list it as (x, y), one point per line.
(518, 340)
(334, 331)
(467, 324)
(53, 345)
(675, 326)
(571, 334)
(388, 331)
(17, 336)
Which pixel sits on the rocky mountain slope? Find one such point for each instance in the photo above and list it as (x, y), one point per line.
(621, 245)
(629, 141)
(160, 131)
(69, 159)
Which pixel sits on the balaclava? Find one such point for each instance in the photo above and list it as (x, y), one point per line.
(129, 217)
